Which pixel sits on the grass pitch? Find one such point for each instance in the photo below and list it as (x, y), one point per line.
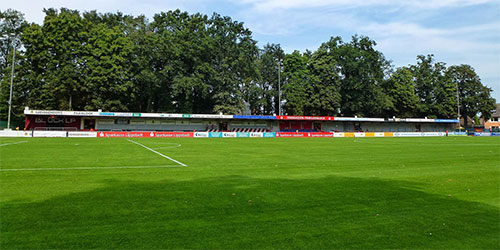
(250, 193)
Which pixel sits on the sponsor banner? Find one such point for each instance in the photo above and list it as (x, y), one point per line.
(215, 134)
(267, 117)
(446, 120)
(292, 134)
(418, 134)
(201, 134)
(409, 120)
(407, 134)
(257, 134)
(269, 134)
(40, 133)
(495, 134)
(482, 134)
(433, 133)
(228, 134)
(207, 116)
(369, 134)
(15, 133)
(348, 134)
(125, 134)
(359, 134)
(457, 134)
(173, 134)
(311, 118)
(338, 134)
(323, 134)
(81, 134)
(388, 134)
(379, 134)
(244, 134)
(355, 119)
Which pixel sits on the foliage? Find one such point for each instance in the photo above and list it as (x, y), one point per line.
(474, 97)
(400, 90)
(194, 63)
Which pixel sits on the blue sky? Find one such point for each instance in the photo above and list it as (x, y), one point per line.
(455, 31)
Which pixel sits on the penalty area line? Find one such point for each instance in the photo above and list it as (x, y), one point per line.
(158, 153)
(86, 168)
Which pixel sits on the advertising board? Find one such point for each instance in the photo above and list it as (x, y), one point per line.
(15, 133)
(173, 134)
(228, 134)
(201, 134)
(40, 133)
(338, 134)
(215, 134)
(243, 134)
(82, 134)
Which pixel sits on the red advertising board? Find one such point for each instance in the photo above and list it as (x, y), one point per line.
(145, 134)
(309, 118)
(173, 134)
(304, 134)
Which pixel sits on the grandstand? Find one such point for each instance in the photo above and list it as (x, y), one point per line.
(168, 122)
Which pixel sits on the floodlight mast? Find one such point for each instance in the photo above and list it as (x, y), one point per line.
(11, 80)
(279, 86)
(458, 107)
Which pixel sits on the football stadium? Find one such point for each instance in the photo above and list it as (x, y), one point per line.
(175, 181)
(177, 130)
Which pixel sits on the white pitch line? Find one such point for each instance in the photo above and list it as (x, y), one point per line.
(158, 153)
(85, 168)
(6, 144)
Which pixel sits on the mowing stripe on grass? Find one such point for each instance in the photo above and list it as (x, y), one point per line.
(86, 168)
(158, 153)
(12, 143)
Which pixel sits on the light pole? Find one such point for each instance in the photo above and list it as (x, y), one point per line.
(279, 86)
(458, 108)
(11, 80)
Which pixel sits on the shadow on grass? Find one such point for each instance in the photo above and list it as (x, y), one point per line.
(241, 212)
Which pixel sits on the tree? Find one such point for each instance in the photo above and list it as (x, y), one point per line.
(474, 97)
(362, 73)
(233, 61)
(434, 88)
(296, 78)
(12, 23)
(324, 92)
(269, 62)
(400, 90)
(107, 70)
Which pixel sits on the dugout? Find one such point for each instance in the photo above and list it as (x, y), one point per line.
(127, 121)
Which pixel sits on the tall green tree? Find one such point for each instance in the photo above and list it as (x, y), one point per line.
(474, 97)
(57, 67)
(233, 60)
(107, 69)
(400, 91)
(362, 74)
(296, 78)
(270, 66)
(434, 88)
(325, 81)
(12, 23)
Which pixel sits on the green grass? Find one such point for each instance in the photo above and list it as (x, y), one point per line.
(251, 193)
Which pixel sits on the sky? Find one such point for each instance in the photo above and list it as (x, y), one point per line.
(455, 31)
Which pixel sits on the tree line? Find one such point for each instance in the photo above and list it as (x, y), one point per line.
(194, 63)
